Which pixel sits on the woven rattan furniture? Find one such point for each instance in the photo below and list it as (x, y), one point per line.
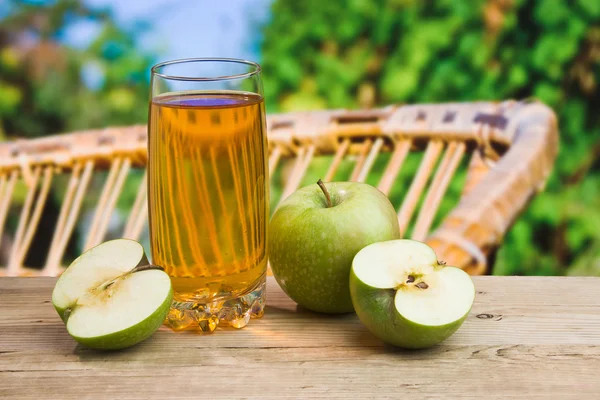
(510, 148)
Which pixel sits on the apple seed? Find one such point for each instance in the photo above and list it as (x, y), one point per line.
(422, 285)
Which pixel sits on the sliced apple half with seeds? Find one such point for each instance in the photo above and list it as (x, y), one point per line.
(404, 296)
(111, 298)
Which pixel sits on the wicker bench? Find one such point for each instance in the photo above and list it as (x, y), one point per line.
(511, 147)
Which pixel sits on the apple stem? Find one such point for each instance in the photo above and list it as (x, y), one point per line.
(139, 268)
(148, 267)
(325, 192)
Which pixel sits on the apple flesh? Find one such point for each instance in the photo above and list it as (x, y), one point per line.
(111, 298)
(405, 297)
(314, 235)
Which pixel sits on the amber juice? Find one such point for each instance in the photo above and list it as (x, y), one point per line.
(208, 204)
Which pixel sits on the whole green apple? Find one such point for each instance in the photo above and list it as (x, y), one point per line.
(314, 235)
(404, 296)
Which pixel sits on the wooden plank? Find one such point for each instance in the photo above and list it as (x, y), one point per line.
(526, 337)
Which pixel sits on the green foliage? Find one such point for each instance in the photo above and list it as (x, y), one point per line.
(319, 54)
(42, 82)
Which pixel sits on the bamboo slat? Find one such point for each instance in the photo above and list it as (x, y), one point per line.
(409, 203)
(139, 212)
(360, 160)
(366, 167)
(32, 182)
(23, 246)
(5, 199)
(437, 189)
(339, 156)
(395, 164)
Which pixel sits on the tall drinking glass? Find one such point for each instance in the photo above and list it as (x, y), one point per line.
(208, 189)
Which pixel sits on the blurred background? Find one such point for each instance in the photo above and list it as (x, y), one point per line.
(69, 65)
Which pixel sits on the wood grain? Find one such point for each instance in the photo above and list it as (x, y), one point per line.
(526, 337)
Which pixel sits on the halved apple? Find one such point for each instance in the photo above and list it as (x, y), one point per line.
(111, 298)
(404, 296)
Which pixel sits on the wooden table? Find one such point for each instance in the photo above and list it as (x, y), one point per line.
(526, 337)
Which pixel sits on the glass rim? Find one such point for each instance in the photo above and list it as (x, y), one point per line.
(256, 69)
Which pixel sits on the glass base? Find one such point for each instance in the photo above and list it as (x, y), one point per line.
(206, 317)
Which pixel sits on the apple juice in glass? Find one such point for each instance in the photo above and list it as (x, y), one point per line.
(207, 189)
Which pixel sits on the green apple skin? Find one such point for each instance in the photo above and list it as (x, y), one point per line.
(312, 246)
(376, 310)
(130, 336)
(61, 312)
